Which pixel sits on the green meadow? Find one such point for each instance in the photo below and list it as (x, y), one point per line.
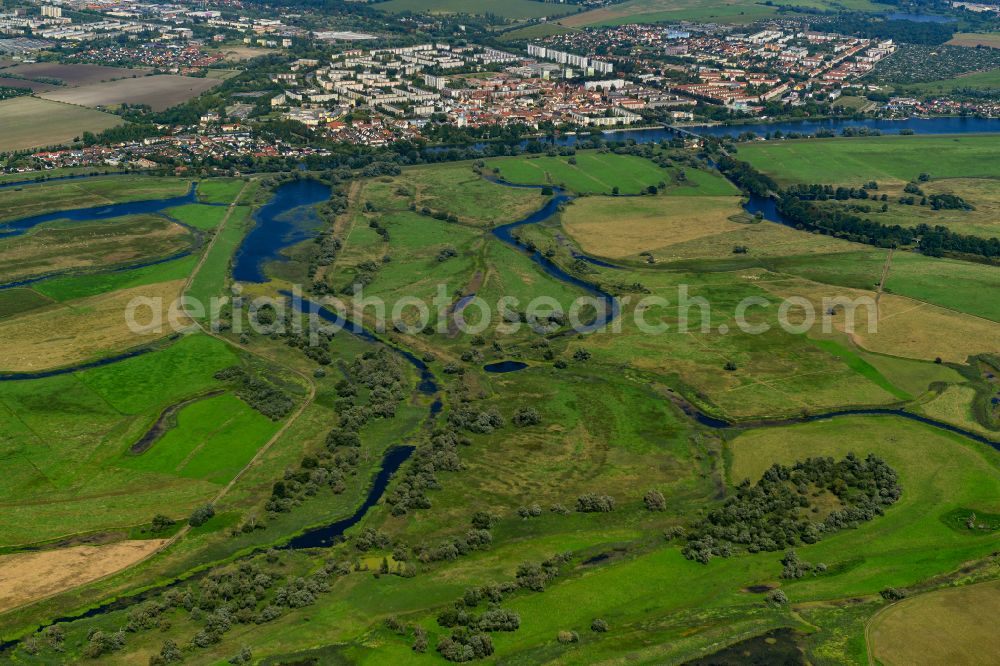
(593, 172)
(198, 216)
(68, 433)
(42, 198)
(855, 161)
(213, 440)
(219, 190)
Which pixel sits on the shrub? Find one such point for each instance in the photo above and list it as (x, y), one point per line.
(592, 503)
(566, 637)
(777, 597)
(655, 501)
(201, 515)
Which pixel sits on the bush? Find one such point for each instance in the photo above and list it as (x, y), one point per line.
(777, 597)
(201, 515)
(592, 503)
(893, 594)
(655, 501)
(526, 416)
(599, 625)
(566, 637)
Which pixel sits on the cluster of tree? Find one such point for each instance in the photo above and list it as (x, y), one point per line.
(436, 214)
(948, 202)
(776, 512)
(909, 32)
(938, 240)
(466, 623)
(793, 567)
(817, 192)
(747, 177)
(439, 454)
(794, 204)
(260, 394)
(480, 421)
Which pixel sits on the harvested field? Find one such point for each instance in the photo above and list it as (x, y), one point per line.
(73, 75)
(34, 86)
(974, 39)
(618, 228)
(949, 626)
(237, 53)
(82, 330)
(906, 327)
(159, 92)
(30, 122)
(27, 577)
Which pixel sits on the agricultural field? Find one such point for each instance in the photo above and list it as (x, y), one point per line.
(87, 329)
(34, 86)
(974, 39)
(30, 122)
(511, 9)
(673, 228)
(74, 74)
(946, 625)
(160, 92)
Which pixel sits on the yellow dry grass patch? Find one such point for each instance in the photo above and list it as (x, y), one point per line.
(621, 227)
(82, 330)
(950, 626)
(905, 327)
(974, 39)
(27, 577)
(954, 405)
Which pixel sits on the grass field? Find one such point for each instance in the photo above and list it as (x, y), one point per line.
(68, 288)
(36, 199)
(52, 248)
(904, 327)
(511, 9)
(160, 92)
(30, 122)
(676, 228)
(593, 172)
(20, 299)
(219, 190)
(888, 159)
(987, 80)
(213, 439)
(85, 330)
(945, 626)
(455, 189)
(63, 451)
(198, 216)
(211, 279)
